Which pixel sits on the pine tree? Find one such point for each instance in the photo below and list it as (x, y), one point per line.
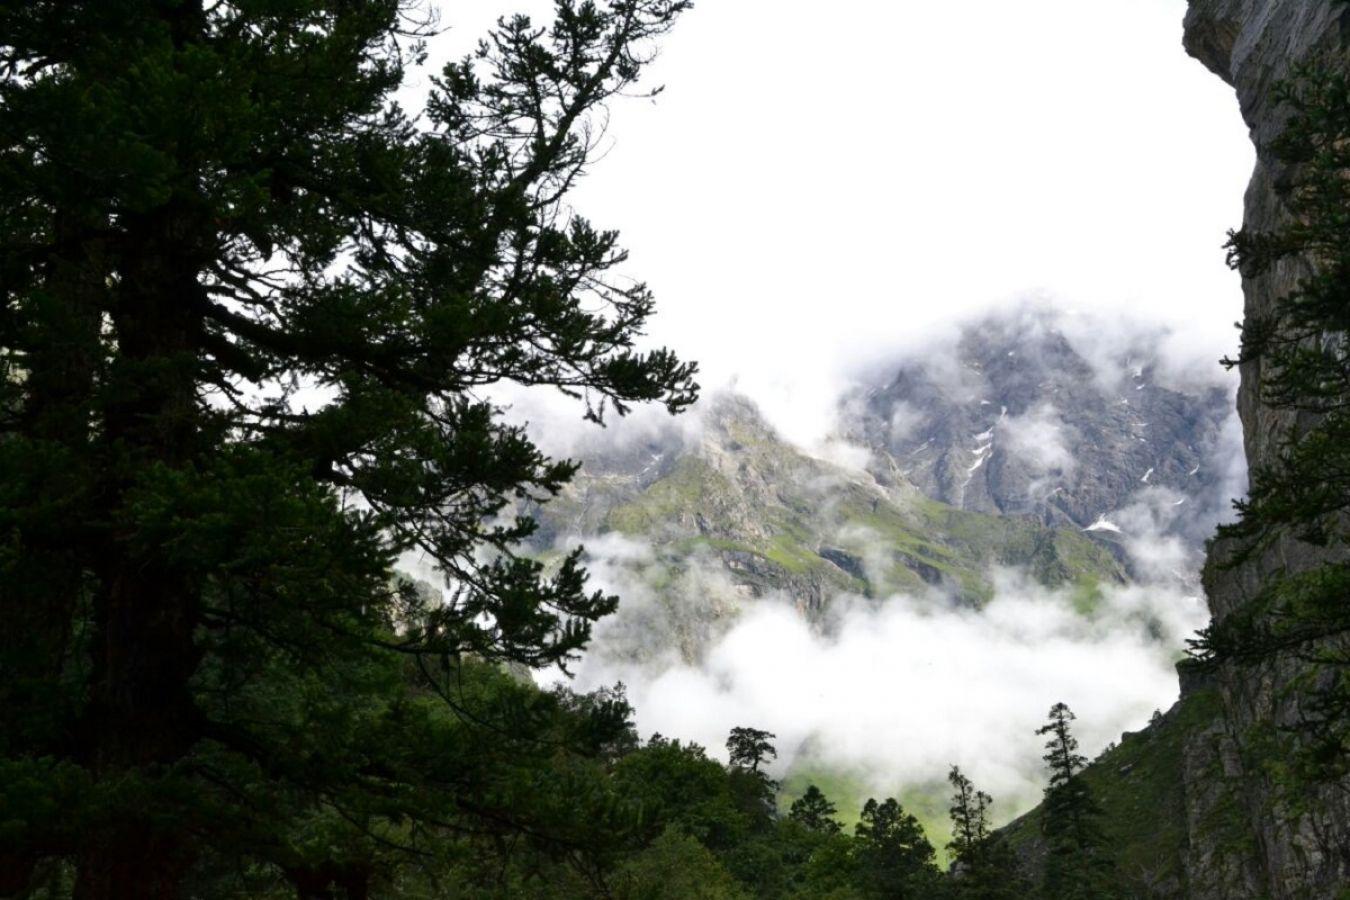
(1076, 865)
(983, 866)
(970, 818)
(815, 812)
(249, 309)
(895, 859)
(749, 748)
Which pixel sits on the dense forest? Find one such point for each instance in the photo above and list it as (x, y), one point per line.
(252, 309)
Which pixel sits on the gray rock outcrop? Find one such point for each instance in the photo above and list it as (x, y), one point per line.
(1014, 419)
(1301, 845)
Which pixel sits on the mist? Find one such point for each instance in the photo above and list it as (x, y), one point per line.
(799, 277)
(889, 692)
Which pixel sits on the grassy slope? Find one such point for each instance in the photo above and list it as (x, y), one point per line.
(848, 792)
(766, 502)
(918, 541)
(1139, 787)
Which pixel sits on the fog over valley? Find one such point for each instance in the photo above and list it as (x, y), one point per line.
(955, 461)
(1013, 517)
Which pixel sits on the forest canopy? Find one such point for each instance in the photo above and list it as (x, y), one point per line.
(250, 305)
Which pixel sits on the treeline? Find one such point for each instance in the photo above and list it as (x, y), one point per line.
(569, 803)
(539, 794)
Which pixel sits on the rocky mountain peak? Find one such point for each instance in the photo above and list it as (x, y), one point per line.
(1019, 418)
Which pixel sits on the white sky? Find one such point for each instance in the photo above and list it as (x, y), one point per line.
(823, 182)
(824, 185)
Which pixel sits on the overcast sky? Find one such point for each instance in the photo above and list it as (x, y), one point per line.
(821, 187)
(822, 182)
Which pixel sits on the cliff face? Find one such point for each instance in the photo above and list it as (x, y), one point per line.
(1299, 846)
(1253, 44)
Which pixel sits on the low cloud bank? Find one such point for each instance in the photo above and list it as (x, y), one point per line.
(892, 692)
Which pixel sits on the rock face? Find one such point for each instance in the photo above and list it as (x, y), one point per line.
(1300, 846)
(735, 507)
(1015, 419)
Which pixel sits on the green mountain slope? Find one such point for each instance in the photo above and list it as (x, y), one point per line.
(1154, 813)
(777, 520)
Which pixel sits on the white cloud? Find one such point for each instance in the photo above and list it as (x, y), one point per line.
(821, 186)
(902, 688)
(1038, 438)
(906, 419)
(1158, 552)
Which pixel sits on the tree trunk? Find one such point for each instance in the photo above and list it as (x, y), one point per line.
(132, 863)
(16, 873)
(58, 389)
(142, 717)
(330, 881)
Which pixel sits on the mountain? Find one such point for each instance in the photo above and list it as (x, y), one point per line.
(733, 495)
(692, 521)
(1014, 419)
(1010, 446)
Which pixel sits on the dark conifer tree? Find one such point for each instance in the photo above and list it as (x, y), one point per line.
(815, 812)
(970, 817)
(747, 750)
(1077, 865)
(894, 858)
(249, 307)
(750, 748)
(983, 866)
